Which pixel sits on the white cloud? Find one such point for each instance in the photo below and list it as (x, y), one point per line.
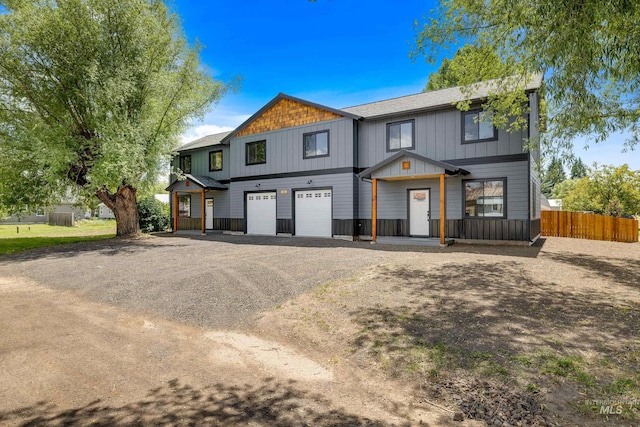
(202, 131)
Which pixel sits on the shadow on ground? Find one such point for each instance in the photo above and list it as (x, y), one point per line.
(273, 404)
(108, 247)
(488, 308)
(620, 270)
(456, 326)
(311, 242)
(125, 246)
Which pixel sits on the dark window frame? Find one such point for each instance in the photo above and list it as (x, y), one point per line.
(189, 213)
(211, 169)
(504, 198)
(304, 143)
(475, 141)
(180, 163)
(246, 152)
(413, 135)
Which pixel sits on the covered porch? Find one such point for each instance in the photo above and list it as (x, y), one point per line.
(405, 184)
(192, 204)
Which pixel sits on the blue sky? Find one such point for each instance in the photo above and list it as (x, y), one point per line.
(333, 52)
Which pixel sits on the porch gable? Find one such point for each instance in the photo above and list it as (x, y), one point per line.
(408, 165)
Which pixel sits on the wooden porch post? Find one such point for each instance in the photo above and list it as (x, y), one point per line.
(203, 212)
(175, 211)
(443, 216)
(374, 210)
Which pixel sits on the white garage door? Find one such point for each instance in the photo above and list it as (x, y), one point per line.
(313, 213)
(261, 213)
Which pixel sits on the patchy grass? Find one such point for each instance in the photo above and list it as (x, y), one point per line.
(551, 331)
(24, 237)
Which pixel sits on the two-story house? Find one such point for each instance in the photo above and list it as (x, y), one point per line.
(411, 166)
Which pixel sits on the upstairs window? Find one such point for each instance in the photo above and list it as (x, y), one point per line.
(485, 198)
(400, 135)
(185, 164)
(184, 206)
(256, 152)
(316, 144)
(215, 161)
(477, 127)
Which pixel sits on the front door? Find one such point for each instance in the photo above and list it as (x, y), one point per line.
(209, 214)
(419, 212)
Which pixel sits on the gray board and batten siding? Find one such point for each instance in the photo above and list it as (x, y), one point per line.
(392, 204)
(438, 136)
(285, 152)
(200, 162)
(392, 194)
(342, 198)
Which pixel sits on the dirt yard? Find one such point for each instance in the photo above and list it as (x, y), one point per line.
(356, 334)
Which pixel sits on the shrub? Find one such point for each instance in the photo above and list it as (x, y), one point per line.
(153, 215)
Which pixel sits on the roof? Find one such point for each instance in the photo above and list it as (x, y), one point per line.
(394, 106)
(206, 141)
(448, 168)
(431, 100)
(275, 100)
(205, 182)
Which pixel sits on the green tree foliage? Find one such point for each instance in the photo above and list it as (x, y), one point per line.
(607, 190)
(588, 51)
(156, 188)
(154, 215)
(578, 169)
(461, 69)
(553, 176)
(561, 189)
(93, 97)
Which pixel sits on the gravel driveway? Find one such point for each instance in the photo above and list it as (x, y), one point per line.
(214, 281)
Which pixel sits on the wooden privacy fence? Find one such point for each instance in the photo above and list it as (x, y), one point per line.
(64, 219)
(588, 226)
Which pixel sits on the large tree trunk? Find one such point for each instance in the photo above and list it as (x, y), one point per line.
(124, 207)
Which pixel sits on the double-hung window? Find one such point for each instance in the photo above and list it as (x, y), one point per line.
(316, 144)
(215, 161)
(400, 135)
(477, 127)
(485, 198)
(185, 164)
(256, 152)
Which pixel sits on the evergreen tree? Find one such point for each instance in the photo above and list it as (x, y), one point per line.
(578, 169)
(553, 176)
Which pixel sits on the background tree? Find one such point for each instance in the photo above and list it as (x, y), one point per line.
(588, 51)
(93, 96)
(578, 169)
(607, 190)
(553, 175)
(462, 68)
(154, 214)
(562, 189)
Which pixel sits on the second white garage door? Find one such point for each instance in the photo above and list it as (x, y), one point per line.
(261, 213)
(313, 213)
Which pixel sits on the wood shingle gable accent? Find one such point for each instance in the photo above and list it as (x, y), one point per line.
(287, 113)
